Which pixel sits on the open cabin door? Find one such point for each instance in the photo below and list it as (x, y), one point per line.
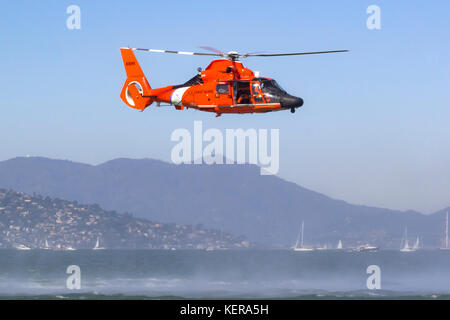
(242, 93)
(248, 92)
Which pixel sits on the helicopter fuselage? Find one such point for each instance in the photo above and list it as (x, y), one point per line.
(225, 86)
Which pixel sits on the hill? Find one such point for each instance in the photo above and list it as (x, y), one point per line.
(235, 198)
(35, 222)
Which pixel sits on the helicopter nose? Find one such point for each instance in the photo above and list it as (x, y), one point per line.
(290, 102)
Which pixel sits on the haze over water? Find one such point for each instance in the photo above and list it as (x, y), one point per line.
(40, 274)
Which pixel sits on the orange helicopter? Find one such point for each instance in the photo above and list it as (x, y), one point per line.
(225, 86)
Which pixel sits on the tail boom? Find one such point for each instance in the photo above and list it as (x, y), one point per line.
(136, 92)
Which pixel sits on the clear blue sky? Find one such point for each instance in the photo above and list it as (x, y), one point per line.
(374, 129)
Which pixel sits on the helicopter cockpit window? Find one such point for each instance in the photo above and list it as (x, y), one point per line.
(222, 89)
(268, 85)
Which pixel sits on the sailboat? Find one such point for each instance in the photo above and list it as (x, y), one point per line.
(446, 247)
(301, 248)
(416, 245)
(97, 245)
(46, 247)
(339, 246)
(406, 247)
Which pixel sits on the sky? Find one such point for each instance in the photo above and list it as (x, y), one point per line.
(374, 128)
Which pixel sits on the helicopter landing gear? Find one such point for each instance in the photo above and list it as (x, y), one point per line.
(292, 110)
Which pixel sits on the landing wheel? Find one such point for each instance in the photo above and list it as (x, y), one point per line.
(292, 110)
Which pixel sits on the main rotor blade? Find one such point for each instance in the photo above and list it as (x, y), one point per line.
(234, 55)
(219, 52)
(177, 52)
(289, 54)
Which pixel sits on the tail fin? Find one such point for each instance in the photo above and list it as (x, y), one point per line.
(136, 90)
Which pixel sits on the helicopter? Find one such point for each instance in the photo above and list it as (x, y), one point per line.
(224, 87)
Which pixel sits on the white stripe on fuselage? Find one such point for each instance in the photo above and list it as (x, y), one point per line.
(177, 96)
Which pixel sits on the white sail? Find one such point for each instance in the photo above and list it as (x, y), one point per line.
(297, 241)
(339, 246)
(406, 247)
(416, 244)
(301, 248)
(97, 245)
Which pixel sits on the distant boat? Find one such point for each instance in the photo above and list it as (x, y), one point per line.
(406, 247)
(302, 247)
(339, 246)
(97, 245)
(70, 248)
(416, 245)
(22, 247)
(366, 248)
(46, 247)
(325, 247)
(446, 247)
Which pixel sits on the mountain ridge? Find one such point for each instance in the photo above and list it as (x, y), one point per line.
(236, 198)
